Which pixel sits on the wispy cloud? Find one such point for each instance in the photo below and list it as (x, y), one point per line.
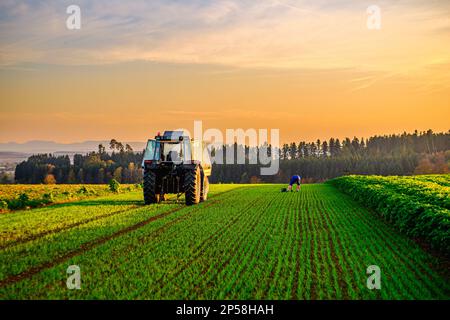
(268, 34)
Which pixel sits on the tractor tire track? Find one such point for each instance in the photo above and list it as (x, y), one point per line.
(221, 265)
(65, 228)
(211, 201)
(95, 243)
(248, 255)
(211, 269)
(298, 230)
(335, 248)
(311, 231)
(202, 247)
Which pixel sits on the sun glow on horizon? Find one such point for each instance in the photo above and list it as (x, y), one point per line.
(310, 68)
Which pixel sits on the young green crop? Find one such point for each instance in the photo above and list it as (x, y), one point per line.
(245, 242)
(418, 208)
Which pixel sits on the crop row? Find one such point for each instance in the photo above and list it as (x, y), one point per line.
(418, 208)
(442, 179)
(426, 190)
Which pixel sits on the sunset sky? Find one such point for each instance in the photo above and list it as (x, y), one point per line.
(309, 68)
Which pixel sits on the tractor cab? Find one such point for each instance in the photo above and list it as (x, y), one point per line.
(172, 146)
(173, 163)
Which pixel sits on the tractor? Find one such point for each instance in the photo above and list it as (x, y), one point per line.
(175, 164)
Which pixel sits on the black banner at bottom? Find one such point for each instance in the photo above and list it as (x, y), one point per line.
(227, 309)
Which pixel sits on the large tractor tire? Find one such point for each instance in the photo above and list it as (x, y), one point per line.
(205, 189)
(192, 186)
(150, 195)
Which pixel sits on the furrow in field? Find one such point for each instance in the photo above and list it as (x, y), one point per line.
(27, 224)
(201, 248)
(327, 285)
(304, 242)
(38, 235)
(269, 263)
(364, 246)
(310, 267)
(238, 250)
(158, 245)
(279, 248)
(297, 244)
(210, 265)
(372, 223)
(83, 248)
(340, 257)
(58, 256)
(315, 289)
(329, 254)
(250, 253)
(372, 249)
(289, 276)
(207, 269)
(346, 241)
(155, 289)
(97, 242)
(52, 246)
(276, 248)
(277, 225)
(407, 253)
(287, 251)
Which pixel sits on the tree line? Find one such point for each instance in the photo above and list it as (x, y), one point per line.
(98, 167)
(405, 154)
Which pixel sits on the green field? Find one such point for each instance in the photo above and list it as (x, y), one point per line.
(245, 242)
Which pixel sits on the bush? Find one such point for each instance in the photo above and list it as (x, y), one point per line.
(47, 198)
(24, 198)
(114, 186)
(22, 201)
(3, 205)
(83, 190)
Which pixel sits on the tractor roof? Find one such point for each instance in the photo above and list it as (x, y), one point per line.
(173, 136)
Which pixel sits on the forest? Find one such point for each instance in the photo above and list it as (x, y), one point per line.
(404, 154)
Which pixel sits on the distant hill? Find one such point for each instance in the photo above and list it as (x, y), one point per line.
(37, 146)
(13, 157)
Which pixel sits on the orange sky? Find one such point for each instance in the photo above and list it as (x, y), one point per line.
(308, 71)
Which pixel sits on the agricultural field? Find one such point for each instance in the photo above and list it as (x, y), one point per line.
(21, 196)
(245, 242)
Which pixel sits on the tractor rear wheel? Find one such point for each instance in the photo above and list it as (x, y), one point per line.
(150, 195)
(205, 189)
(192, 186)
